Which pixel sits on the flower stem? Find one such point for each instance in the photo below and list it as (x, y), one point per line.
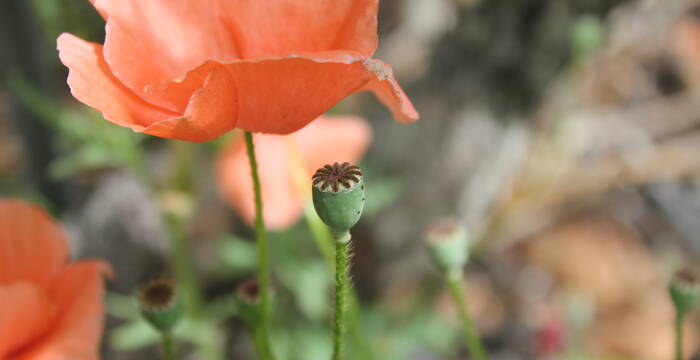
(342, 284)
(476, 348)
(678, 326)
(324, 241)
(168, 347)
(263, 266)
(184, 269)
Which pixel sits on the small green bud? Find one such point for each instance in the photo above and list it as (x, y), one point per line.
(685, 290)
(160, 304)
(248, 300)
(448, 244)
(339, 195)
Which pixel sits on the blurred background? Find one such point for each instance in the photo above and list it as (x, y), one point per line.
(564, 134)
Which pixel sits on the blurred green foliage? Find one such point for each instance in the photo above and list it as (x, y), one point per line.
(87, 141)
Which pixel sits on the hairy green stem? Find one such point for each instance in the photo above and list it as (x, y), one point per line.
(471, 337)
(324, 241)
(342, 284)
(678, 326)
(168, 347)
(263, 262)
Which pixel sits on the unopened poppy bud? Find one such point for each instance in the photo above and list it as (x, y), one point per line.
(339, 195)
(248, 299)
(685, 290)
(448, 244)
(160, 304)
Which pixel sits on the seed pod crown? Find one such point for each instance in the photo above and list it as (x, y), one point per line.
(160, 304)
(339, 195)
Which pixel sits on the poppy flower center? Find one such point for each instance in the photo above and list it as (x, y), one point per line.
(337, 177)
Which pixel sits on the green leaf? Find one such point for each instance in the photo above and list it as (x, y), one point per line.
(380, 193)
(133, 335)
(238, 255)
(121, 306)
(312, 343)
(309, 282)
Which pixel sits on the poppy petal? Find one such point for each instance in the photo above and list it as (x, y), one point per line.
(389, 92)
(92, 83)
(284, 27)
(32, 247)
(25, 313)
(282, 95)
(211, 110)
(151, 41)
(76, 331)
(325, 140)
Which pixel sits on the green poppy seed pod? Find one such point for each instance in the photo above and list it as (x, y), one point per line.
(685, 290)
(160, 304)
(339, 195)
(448, 244)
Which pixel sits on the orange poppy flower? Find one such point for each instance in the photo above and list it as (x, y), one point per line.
(194, 70)
(49, 310)
(285, 164)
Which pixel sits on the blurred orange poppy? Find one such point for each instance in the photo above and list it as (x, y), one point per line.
(194, 70)
(685, 46)
(285, 159)
(49, 309)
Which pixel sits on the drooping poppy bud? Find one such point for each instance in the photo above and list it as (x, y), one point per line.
(685, 290)
(448, 244)
(339, 195)
(160, 304)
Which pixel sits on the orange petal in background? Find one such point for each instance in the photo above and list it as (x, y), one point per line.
(333, 139)
(49, 310)
(32, 247)
(25, 313)
(685, 45)
(76, 328)
(280, 203)
(325, 140)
